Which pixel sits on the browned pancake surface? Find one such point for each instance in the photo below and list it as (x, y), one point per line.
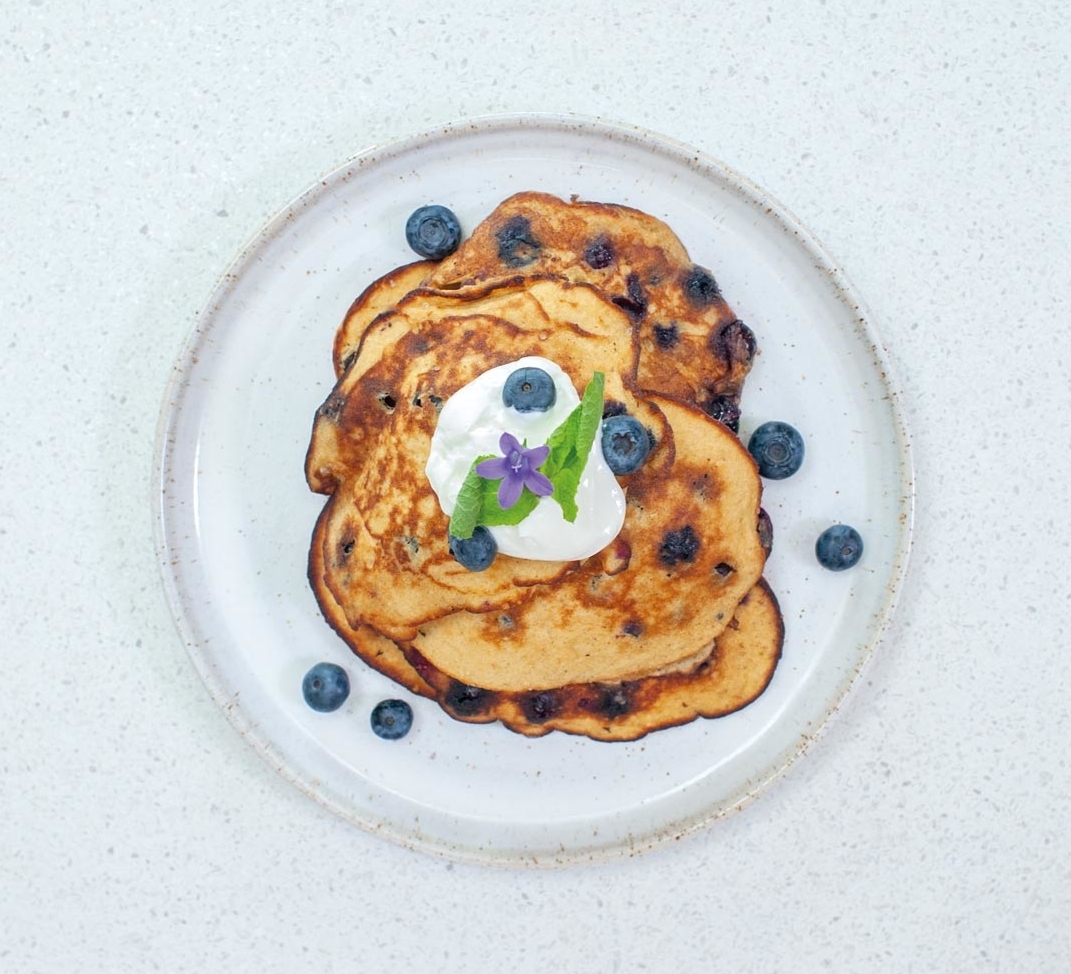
(737, 669)
(385, 535)
(692, 345)
(649, 633)
(693, 552)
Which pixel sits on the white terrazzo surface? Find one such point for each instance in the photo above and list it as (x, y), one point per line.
(925, 144)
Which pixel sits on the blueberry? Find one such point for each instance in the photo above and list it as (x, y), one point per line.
(433, 231)
(725, 410)
(391, 719)
(677, 546)
(667, 336)
(517, 245)
(463, 700)
(529, 390)
(625, 444)
(700, 287)
(777, 449)
(735, 343)
(599, 253)
(541, 706)
(838, 547)
(325, 687)
(475, 553)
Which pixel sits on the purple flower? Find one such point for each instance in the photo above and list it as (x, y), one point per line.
(517, 470)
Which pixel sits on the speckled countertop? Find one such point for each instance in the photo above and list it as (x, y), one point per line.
(926, 147)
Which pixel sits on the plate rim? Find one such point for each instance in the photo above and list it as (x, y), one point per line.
(679, 152)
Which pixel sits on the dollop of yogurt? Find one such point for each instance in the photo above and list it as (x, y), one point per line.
(471, 423)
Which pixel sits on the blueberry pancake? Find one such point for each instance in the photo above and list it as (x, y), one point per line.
(666, 619)
(692, 345)
(690, 551)
(735, 670)
(384, 530)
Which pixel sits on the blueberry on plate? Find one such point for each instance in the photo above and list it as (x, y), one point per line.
(325, 687)
(391, 719)
(838, 547)
(529, 390)
(625, 444)
(475, 553)
(433, 231)
(777, 449)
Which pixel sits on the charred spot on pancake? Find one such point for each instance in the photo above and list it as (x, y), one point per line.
(387, 401)
(611, 407)
(436, 401)
(599, 253)
(700, 287)
(465, 700)
(765, 528)
(681, 545)
(735, 343)
(345, 548)
(724, 569)
(517, 245)
(633, 301)
(506, 621)
(667, 336)
(540, 707)
(615, 701)
(332, 407)
(633, 628)
(725, 410)
(349, 360)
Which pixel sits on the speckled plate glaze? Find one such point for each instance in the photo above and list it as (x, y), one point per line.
(235, 516)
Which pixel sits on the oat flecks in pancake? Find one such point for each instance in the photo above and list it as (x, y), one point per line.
(692, 345)
(386, 536)
(736, 670)
(694, 553)
(669, 622)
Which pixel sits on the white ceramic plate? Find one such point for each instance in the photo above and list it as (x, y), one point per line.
(235, 514)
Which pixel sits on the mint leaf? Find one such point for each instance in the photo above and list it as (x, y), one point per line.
(590, 417)
(493, 514)
(468, 504)
(570, 444)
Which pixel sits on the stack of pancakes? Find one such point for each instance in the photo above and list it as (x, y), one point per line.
(672, 620)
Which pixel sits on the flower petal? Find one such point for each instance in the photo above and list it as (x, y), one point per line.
(507, 443)
(537, 455)
(494, 469)
(538, 484)
(509, 491)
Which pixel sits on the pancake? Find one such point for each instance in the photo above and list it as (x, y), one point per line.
(693, 552)
(669, 622)
(692, 345)
(736, 670)
(385, 535)
(381, 295)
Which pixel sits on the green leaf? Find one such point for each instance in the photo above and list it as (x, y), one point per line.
(570, 446)
(590, 415)
(468, 505)
(493, 514)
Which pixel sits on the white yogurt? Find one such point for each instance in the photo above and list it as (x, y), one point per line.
(472, 422)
